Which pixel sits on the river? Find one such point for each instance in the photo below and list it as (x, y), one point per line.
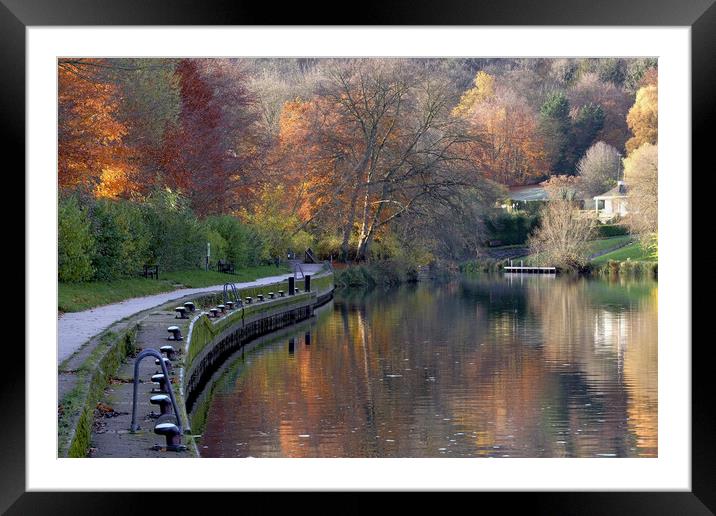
(485, 366)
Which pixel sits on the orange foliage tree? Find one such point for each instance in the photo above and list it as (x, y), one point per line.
(90, 135)
(510, 149)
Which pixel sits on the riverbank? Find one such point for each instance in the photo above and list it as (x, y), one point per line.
(385, 273)
(619, 255)
(76, 297)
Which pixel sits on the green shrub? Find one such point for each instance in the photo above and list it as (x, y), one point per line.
(384, 272)
(121, 237)
(629, 268)
(243, 245)
(328, 245)
(611, 230)
(75, 242)
(177, 239)
(511, 228)
(482, 265)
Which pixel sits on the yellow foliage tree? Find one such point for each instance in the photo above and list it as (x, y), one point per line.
(643, 118)
(484, 89)
(641, 173)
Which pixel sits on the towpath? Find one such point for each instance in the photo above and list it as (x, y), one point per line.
(76, 328)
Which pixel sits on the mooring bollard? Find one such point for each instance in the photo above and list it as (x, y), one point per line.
(230, 305)
(261, 297)
(162, 381)
(297, 291)
(169, 351)
(222, 308)
(281, 293)
(190, 306)
(270, 295)
(248, 300)
(172, 434)
(214, 312)
(307, 283)
(164, 402)
(181, 312)
(175, 333)
(166, 361)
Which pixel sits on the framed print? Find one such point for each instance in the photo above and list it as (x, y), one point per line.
(427, 256)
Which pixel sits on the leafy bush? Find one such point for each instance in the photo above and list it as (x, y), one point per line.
(511, 228)
(75, 242)
(629, 268)
(275, 226)
(241, 243)
(219, 246)
(177, 239)
(611, 230)
(384, 272)
(121, 239)
(482, 265)
(328, 245)
(108, 239)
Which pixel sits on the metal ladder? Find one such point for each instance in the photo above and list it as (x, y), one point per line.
(230, 290)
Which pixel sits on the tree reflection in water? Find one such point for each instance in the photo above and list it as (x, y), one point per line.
(491, 366)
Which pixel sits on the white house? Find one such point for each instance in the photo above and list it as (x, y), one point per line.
(612, 203)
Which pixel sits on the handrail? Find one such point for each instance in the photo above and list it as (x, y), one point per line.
(237, 299)
(154, 353)
(297, 265)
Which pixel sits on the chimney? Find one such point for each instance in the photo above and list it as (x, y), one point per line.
(621, 186)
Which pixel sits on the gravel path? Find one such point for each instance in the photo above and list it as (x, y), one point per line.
(76, 328)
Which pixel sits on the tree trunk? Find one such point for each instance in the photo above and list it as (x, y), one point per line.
(359, 171)
(348, 228)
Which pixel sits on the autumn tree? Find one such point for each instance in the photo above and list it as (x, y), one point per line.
(641, 174)
(90, 135)
(599, 168)
(510, 149)
(614, 101)
(211, 153)
(643, 118)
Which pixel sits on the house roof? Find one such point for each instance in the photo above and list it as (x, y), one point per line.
(528, 193)
(618, 191)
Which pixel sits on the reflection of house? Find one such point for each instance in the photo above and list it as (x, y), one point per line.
(612, 203)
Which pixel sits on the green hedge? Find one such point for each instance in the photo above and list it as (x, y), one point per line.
(76, 245)
(611, 230)
(511, 228)
(109, 239)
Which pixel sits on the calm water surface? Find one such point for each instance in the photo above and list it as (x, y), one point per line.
(486, 367)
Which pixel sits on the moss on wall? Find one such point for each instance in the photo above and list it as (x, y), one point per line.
(76, 408)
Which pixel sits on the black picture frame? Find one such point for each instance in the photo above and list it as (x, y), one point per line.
(700, 15)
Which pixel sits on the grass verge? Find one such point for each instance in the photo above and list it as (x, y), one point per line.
(75, 297)
(633, 251)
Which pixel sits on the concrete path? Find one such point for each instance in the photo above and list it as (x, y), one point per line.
(76, 328)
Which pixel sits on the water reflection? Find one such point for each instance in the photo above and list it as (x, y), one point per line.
(492, 366)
